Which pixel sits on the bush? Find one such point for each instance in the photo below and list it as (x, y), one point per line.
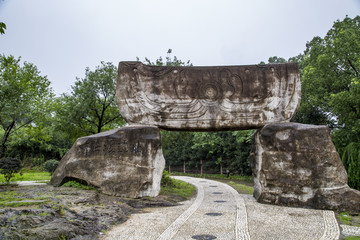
(8, 167)
(166, 180)
(51, 165)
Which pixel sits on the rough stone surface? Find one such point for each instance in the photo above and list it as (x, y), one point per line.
(125, 162)
(68, 213)
(207, 98)
(297, 165)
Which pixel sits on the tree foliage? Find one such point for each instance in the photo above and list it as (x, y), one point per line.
(91, 107)
(2, 28)
(25, 98)
(330, 80)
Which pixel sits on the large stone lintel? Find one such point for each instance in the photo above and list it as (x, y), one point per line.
(207, 98)
(297, 165)
(126, 162)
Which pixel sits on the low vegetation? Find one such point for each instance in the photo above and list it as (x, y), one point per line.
(242, 184)
(214, 176)
(241, 188)
(16, 199)
(353, 238)
(8, 168)
(171, 186)
(346, 218)
(28, 175)
(78, 185)
(51, 165)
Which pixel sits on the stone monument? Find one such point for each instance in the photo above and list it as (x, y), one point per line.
(293, 164)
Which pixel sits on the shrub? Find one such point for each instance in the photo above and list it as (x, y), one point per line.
(51, 165)
(8, 167)
(166, 180)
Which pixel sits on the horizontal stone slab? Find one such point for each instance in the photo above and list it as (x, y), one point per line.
(207, 98)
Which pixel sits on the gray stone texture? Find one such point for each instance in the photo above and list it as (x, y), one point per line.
(297, 165)
(207, 98)
(126, 162)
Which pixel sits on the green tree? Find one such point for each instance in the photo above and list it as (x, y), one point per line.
(91, 107)
(331, 91)
(276, 59)
(207, 148)
(25, 98)
(177, 148)
(330, 80)
(2, 28)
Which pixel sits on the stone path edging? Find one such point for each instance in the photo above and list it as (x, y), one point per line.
(242, 230)
(332, 230)
(176, 225)
(241, 223)
(350, 230)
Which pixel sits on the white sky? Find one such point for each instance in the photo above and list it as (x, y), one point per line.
(63, 37)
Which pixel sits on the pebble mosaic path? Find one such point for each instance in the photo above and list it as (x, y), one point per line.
(220, 212)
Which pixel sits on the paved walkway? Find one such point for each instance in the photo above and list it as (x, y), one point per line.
(219, 212)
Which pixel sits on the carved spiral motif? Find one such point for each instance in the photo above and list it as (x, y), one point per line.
(211, 91)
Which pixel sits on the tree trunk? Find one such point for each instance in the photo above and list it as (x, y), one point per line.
(221, 169)
(169, 168)
(2, 150)
(5, 138)
(184, 166)
(201, 167)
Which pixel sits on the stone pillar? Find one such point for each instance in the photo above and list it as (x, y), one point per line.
(126, 162)
(297, 165)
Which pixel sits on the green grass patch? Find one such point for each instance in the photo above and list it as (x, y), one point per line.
(213, 176)
(234, 181)
(178, 187)
(345, 218)
(76, 184)
(15, 199)
(353, 238)
(241, 188)
(28, 176)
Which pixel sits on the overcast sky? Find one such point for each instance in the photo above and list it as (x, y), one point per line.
(63, 37)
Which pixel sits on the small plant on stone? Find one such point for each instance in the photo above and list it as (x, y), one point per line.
(51, 165)
(8, 167)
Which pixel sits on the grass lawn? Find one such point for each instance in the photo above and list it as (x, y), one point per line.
(214, 176)
(242, 184)
(177, 187)
(28, 175)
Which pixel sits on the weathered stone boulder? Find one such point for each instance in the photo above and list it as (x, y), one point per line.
(297, 165)
(126, 162)
(207, 98)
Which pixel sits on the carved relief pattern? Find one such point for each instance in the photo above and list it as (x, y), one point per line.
(202, 96)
